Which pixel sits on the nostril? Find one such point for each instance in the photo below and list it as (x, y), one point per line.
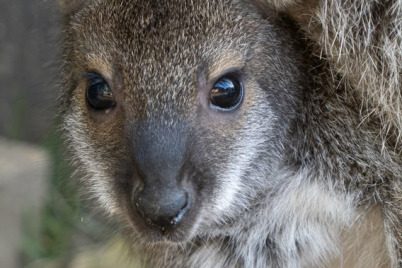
(162, 209)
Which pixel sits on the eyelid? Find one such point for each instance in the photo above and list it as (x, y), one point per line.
(235, 71)
(94, 77)
(91, 75)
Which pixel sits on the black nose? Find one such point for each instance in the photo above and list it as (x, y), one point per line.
(162, 208)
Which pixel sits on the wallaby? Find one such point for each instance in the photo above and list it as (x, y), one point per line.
(216, 136)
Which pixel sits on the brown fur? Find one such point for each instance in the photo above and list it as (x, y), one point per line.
(362, 41)
(314, 147)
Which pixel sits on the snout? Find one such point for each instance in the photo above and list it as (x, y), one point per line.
(159, 157)
(163, 208)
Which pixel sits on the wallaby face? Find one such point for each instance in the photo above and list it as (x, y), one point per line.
(177, 113)
(214, 133)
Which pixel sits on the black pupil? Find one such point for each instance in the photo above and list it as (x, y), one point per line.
(99, 95)
(226, 93)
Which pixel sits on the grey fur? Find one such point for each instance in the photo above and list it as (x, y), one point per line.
(278, 182)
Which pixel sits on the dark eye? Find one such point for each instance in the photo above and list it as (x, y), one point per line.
(227, 93)
(99, 96)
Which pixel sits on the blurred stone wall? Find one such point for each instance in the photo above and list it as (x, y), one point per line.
(28, 67)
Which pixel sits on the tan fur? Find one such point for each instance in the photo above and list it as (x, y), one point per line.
(364, 245)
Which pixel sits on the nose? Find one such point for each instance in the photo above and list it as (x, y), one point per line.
(159, 151)
(163, 208)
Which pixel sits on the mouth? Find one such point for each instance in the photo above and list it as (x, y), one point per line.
(150, 233)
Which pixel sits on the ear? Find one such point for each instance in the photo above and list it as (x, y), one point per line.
(70, 7)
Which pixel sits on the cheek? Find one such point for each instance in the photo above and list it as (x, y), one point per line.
(97, 134)
(99, 150)
(108, 137)
(231, 186)
(232, 149)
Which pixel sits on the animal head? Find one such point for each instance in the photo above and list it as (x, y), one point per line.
(177, 112)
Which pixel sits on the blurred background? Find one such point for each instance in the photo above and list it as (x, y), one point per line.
(43, 222)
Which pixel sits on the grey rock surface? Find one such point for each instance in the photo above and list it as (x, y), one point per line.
(23, 174)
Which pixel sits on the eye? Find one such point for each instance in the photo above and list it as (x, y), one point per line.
(227, 93)
(98, 95)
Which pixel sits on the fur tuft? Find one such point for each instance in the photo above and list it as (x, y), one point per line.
(362, 40)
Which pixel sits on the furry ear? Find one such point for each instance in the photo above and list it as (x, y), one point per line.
(71, 7)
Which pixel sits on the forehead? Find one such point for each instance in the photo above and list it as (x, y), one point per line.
(156, 30)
